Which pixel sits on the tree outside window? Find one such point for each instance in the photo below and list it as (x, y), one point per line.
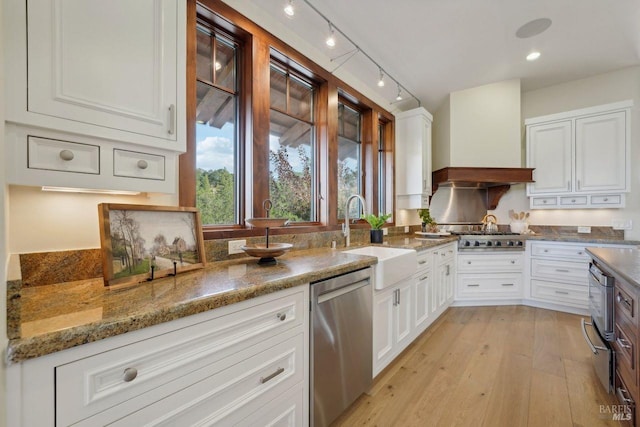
(349, 158)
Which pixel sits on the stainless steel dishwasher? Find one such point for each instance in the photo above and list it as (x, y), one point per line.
(341, 344)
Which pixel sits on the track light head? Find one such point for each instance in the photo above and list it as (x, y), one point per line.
(289, 10)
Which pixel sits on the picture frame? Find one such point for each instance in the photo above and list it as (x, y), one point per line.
(140, 243)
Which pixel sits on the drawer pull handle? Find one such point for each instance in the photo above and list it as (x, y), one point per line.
(422, 262)
(546, 250)
(172, 119)
(473, 285)
(423, 278)
(623, 343)
(468, 262)
(507, 284)
(544, 201)
(142, 164)
(622, 395)
(282, 316)
(66, 155)
(606, 199)
(580, 253)
(130, 374)
(562, 292)
(272, 376)
(622, 299)
(513, 261)
(562, 270)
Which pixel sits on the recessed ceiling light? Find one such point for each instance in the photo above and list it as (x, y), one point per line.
(533, 56)
(533, 28)
(288, 9)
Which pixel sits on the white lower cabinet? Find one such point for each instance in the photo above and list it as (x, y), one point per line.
(229, 366)
(490, 277)
(404, 311)
(392, 323)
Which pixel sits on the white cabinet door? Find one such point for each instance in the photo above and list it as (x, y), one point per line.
(413, 158)
(110, 64)
(404, 318)
(550, 153)
(601, 153)
(422, 297)
(383, 325)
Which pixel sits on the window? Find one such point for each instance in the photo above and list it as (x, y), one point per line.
(291, 147)
(349, 158)
(217, 171)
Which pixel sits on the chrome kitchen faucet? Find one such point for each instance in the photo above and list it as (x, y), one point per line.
(346, 232)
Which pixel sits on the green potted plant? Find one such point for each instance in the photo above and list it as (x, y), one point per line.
(376, 222)
(428, 223)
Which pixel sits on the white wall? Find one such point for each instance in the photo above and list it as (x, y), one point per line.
(441, 147)
(605, 88)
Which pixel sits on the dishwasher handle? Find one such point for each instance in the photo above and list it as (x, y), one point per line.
(335, 293)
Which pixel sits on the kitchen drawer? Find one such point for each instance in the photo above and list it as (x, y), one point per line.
(544, 201)
(606, 199)
(561, 293)
(559, 250)
(561, 271)
(490, 262)
(490, 285)
(626, 302)
(132, 164)
(445, 254)
(573, 201)
(626, 400)
(424, 260)
(285, 410)
(63, 156)
(155, 366)
(226, 396)
(625, 346)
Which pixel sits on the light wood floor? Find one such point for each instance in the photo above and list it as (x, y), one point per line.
(489, 366)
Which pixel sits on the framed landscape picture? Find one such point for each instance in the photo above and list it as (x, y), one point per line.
(141, 243)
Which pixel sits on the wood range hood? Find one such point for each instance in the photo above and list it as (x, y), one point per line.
(497, 181)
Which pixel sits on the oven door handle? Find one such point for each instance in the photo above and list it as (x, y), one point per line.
(594, 348)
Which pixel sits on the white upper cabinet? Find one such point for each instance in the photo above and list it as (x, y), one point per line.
(413, 158)
(581, 158)
(109, 74)
(550, 149)
(601, 153)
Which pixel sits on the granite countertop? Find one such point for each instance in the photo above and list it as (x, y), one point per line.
(50, 318)
(576, 238)
(623, 262)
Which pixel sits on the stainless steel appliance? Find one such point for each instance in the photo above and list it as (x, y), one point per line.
(341, 344)
(481, 241)
(600, 331)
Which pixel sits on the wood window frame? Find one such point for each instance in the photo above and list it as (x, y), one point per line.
(258, 49)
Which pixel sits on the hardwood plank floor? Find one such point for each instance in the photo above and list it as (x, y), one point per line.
(489, 366)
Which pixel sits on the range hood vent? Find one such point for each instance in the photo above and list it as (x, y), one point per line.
(497, 181)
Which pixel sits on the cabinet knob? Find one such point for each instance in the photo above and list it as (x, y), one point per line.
(606, 199)
(544, 201)
(468, 262)
(142, 164)
(573, 200)
(513, 261)
(282, 316)
(130, 374)
(66, 155)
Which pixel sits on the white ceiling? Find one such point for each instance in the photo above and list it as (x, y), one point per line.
(434, 47)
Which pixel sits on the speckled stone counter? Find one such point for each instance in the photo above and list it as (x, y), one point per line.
(624, 263)
(50, 318)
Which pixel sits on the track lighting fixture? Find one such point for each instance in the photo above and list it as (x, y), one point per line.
(288, 9)
(331, 40)
(399, 97)
(381, 81)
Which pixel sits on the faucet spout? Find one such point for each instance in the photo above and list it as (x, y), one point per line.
(346, 232)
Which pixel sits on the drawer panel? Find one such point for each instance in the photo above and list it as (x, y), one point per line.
(88, 386)
(132, 164)
(625, 303)
(559, 250)
(625, 346)
(286, 410)
(626, 399)
(606, 199)
(544, 201)
(63, 156)
(573, 201)
(425, 260)
(225, 397)
(560, 293)
(490, 285)
(491, 262)
(561, 271)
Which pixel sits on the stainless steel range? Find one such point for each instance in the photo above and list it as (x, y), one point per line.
(483, 241)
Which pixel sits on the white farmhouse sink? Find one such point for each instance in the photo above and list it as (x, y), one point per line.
(393, 265)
